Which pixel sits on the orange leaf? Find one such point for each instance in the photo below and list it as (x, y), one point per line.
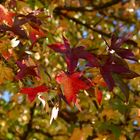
(35, 33)
(71, 84)
(6, 16)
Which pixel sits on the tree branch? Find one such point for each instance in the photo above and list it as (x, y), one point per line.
(84, 24)
(126, 19)
(129, 41)
(87, 8)
(29, 125)
(47, 134)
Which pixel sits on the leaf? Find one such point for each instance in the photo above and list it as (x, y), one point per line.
(6, 16)
(111, 114)
(35, 33)
(17, 30)
(99, 81)
(19, 20)
(108, 78)
(116, 44)
(72, 55)
(58, 47)
(123, 86)
(71, 84)
(77, 134)
(99, 95)
(112, 127)
(5, 48)
(6, 73)
(7, 54)
(110, 66)
(116, 130)
(25, 70)
(32, 92)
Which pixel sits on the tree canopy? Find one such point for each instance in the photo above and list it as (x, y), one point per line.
(69, 70)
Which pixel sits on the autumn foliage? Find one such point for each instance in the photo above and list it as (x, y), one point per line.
(45, 59)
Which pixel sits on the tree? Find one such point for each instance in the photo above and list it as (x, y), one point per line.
(69, 70)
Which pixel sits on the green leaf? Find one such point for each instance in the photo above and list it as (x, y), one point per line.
(115, 129)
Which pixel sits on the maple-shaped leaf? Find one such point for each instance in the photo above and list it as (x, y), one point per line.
(71, 84)
(110, 66)
(32, 92)
(72, 55)
(116, 44)
(6, 16)
(18, 21)
(25, 70)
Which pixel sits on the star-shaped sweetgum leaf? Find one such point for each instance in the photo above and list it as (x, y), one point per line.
(18, 21)
(32, 92)
(111, 66)
(25, 70)
(116, 44)
(71, 84)
(72, 55)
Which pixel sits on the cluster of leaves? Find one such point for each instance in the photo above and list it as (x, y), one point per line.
(35, 66)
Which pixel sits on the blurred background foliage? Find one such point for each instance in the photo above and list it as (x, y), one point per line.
(84, 22)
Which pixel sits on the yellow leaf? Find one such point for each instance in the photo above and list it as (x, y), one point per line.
(6, 73)
(122, 137)
(77, 134)
(110, 114)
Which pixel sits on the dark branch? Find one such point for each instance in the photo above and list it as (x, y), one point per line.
(81, 23)
(29, 125)
(89, 9)
(127, 20)
(90, 27)
(47, 134)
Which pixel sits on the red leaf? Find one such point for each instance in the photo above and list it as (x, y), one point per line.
(99, 95)
(108, 78)
(58, 47)
(32, 92)
(126, 53)
(111, 66)
(19, 20)
(25, 70)
(6, 16)
(72, 55)
(71, 84)
(116, 44)
(35, 33)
